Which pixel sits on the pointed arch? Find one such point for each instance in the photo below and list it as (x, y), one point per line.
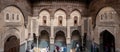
(60, 12)
(75, 14)
(60, 39)
(44, 40)
(44, 17)
(12, 44)
(107, 41)
(12, 7)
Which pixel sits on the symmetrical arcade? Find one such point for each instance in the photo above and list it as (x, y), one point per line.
(53, 26)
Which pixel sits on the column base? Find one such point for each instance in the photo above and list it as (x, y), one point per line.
(51, 47)
(68, 48)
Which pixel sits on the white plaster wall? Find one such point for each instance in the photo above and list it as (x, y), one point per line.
(19, 31)
(108, 11)
(56, 15)
(107, 24)
(72, 15)
(44, 13)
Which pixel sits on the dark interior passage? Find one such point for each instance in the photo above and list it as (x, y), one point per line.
(12, 44)
(76, 41)
(44, 39)
(107, 41)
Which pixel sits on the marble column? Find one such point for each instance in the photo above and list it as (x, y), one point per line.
(51, 44)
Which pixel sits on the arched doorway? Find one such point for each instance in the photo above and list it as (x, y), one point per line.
(76, 41)
(12, 44)
(107, 41)
(44, 41)
(60, 42)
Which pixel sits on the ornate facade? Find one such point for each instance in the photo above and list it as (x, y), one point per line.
(62, 25)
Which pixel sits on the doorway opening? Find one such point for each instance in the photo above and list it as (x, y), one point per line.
(43, 42)
(12, 44)
(107, 41)
(60, 42)
(76, 43)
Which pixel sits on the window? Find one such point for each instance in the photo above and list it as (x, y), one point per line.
(12, 16)
(60, 20)
(105, 16)
(44, 20)
(17, 17)
(7, 16)
(101, 17)
(75, 20)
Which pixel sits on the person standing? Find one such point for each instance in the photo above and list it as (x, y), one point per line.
(77, 47)
(57, 48)
(28, 49)
(47, 49)
(106, 48)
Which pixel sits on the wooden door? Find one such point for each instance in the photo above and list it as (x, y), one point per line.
(12, 44)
